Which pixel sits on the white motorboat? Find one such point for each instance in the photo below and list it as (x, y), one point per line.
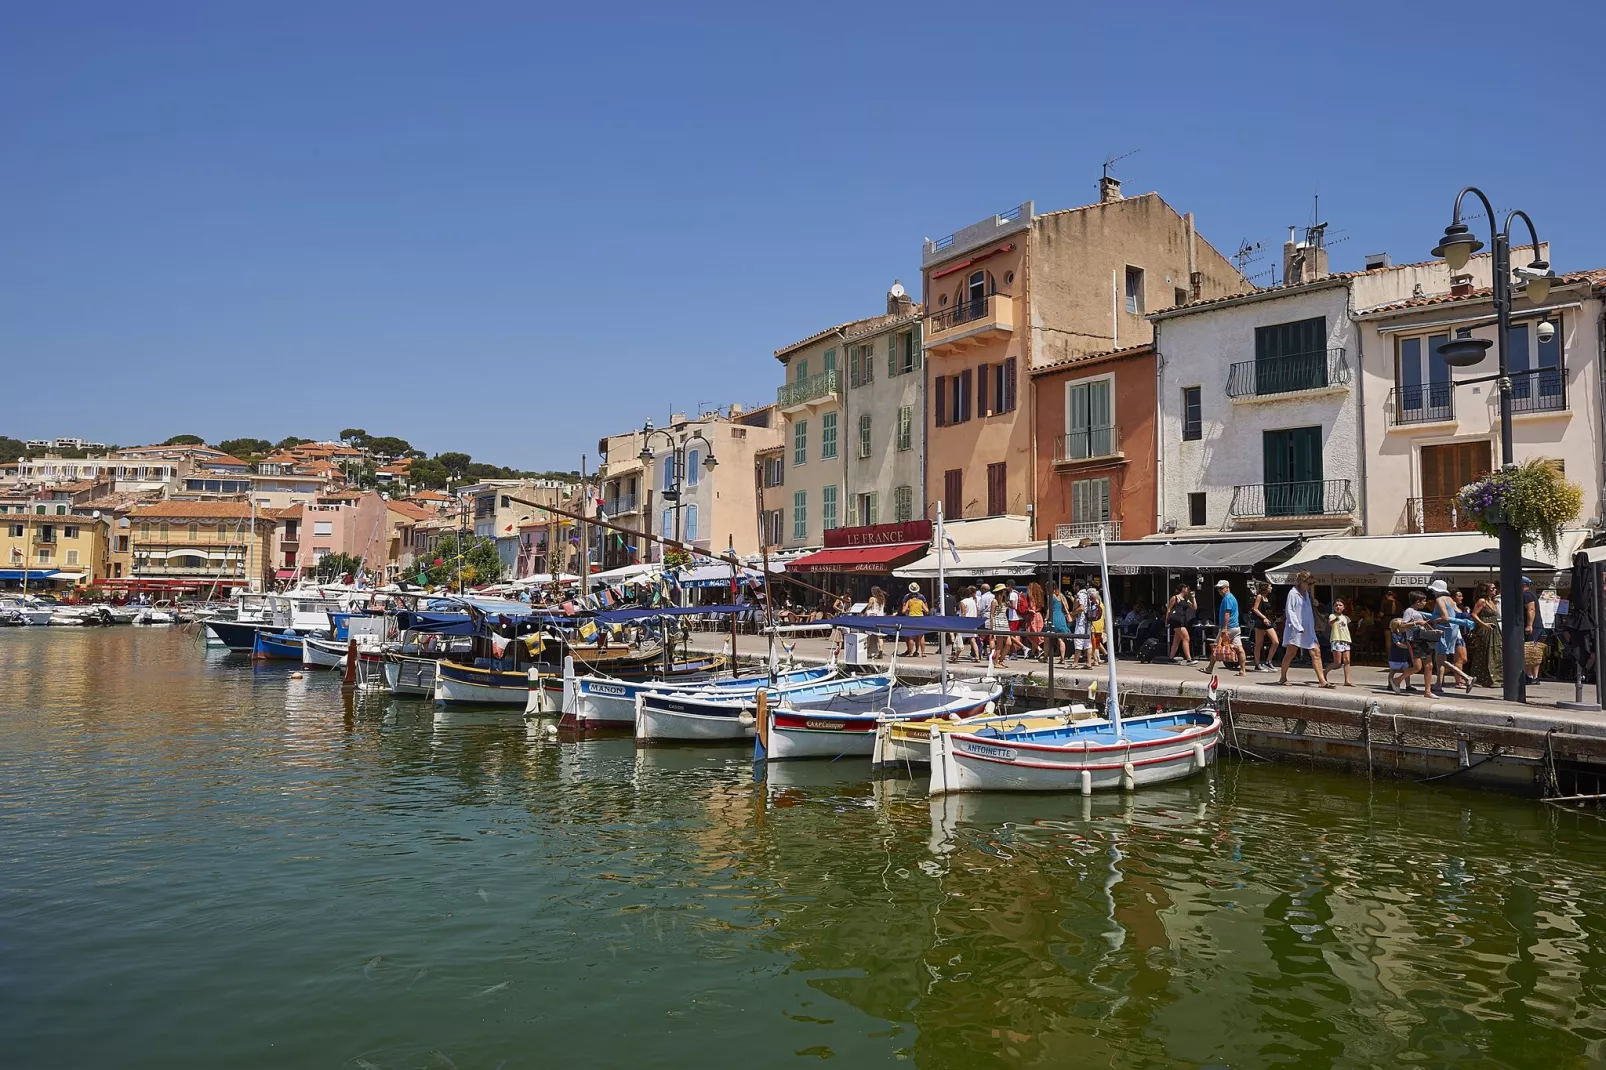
(151, 615)
(26, 609)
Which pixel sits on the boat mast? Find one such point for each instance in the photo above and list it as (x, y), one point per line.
(764, 562)
(942, 607)
(585, 546)
(1109, 609)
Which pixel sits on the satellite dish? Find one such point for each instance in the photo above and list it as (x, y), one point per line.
(897, 289)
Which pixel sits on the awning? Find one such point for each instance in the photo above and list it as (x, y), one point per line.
(995, 562)
(879, 559)
(626, 573)
(29, 574)
(1407, 556)
(1205, 555)
(285, 574)
(714, 576)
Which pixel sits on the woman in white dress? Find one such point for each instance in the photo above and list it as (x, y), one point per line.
(1299, 628)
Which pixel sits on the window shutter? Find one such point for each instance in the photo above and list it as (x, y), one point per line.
(1008, 386)
(942, 401)
(981, 392)
(965, 389)
(1104, 501)
(914, 348)
(892, 357)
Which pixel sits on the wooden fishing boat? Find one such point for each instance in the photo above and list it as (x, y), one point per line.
(600, 702)
(276, 646)
(844, 724)
(678, 716)
(908, 743)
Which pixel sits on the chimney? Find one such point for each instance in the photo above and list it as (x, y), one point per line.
(1109, 189)
(1377, 261)
(1305, 261)
(736, 409)
(1460, 285)
(898, 302)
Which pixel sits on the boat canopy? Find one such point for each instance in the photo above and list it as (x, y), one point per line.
(889, 625)
(624, 616)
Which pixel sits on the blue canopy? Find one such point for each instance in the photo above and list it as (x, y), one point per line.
(624, 616)
(440, 623)
(28, 573)
(893, 625)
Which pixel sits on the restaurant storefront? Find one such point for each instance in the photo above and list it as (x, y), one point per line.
(856, 559)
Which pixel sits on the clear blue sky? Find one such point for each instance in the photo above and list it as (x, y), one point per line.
(505, 230)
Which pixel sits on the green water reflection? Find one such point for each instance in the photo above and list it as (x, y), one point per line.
(203, 863)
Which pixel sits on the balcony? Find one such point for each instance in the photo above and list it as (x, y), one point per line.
(1295, 373)
(1088, 530)
(1541, 390)
(1259, 503)
(1429, 404)
(816, 390)
(970, 324)
(625, 503)
(1088, 445)
(1424, 516)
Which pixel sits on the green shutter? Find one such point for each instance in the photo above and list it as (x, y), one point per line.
(914, 346)
(892, 356)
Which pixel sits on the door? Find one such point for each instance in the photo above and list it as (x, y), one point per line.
(976, 295)
(1291, 356)
(1088, 426)
(1293, 471)
(1445, 470)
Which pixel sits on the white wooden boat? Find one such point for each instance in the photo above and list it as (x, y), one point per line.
(406, 675)
(845, 724)
(908, 743)
(677, 716)
(597, 701)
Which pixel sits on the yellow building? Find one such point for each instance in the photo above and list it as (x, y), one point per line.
(198, 545)
(43, 543)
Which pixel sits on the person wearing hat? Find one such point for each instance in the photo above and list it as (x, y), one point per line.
(915, 606)
(1446, 619)
(1229, 636)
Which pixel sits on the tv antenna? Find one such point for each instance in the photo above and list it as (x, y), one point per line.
(1109, 161)
(1248, 252)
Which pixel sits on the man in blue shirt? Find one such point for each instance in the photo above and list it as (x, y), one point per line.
(1228, 634)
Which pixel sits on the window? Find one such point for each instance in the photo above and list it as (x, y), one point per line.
(1089, 427)
(666, 523)
(1196, 509)
(828, 436)
(16, 531)
(828, 507)
(953, 398)
(667, 470)
(1537, 377)
(906, 427)
(861, 364)
(997, 496)
(903, 504)
(145, 529)
(44, 556)
(61, 510)
(1293, 471)
(800, 516)
(69, 532)
(122, 544)
(800, 442)
(694, 467)
(1192, 416)
(689, 522)
(1179, 295)
(864, 435)
(953, 493)
(194, 532)
(1090, 502)
(323, 527)
(867, 512)
(320, 553)
(802, 370)
(1422, 380)
(995, 382)
(830, 361)
(72, 557)
(1134, 291)
(1291, 356)
(903, 356)
(774, 471)
(772, 526)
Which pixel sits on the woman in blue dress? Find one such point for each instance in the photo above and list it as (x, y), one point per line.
(1057, 620)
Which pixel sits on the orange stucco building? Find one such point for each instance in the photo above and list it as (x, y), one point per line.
(1094, 443)
(1020, 291)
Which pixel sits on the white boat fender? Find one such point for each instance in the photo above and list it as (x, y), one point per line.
(990, 709)
(954, 716)
(745, 719)
(1198, 756)
(295, 676)
(1129, 777)
(1087, 782)
(551, 731)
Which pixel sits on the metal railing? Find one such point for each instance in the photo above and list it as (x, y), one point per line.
(815, 386)
(1088, 444)
(1427, 515)
(1540, 390)
(625, 503)
(1288, 374)
(1421, 404)
(1320, 497)
(973, 308)
(1088, 530)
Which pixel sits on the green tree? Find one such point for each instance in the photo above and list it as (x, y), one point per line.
(289, 441)
(185, 440)
(479, 562)
(12, 448)
(354, 435)
(428, 473)
(247, 449)
(388, 446)
(336, 566)
(456, 464)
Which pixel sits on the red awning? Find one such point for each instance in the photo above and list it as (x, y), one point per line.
(882, 558)
(285, 574)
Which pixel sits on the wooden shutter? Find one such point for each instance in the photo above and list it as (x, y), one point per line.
(892, 357)
(996, 494)
(942, 400)
(981, 391)
(1007, 387)
(914, 349)
(953, 493)
(965, 389)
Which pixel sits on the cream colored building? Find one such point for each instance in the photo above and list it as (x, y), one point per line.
(718, 504)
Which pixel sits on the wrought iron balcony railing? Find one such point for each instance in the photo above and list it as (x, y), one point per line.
(1319, 497)
(1088, 530)
(1087, 444)
(960, 313)
(1288, 374)
(1427, 515)
(1421, 404)
(805, 390)
(1540, 390)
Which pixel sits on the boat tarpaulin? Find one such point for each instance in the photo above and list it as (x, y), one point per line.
(881, 558)
(440, 623)
(623, 616)
(887, 625)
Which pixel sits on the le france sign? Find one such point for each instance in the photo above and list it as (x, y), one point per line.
(879, 534)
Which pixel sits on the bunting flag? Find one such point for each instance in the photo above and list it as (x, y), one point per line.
(535, 643)
(498, 644)
(952, 549)
(587, 631)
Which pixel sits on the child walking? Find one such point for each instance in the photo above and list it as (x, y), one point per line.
(1338, 639)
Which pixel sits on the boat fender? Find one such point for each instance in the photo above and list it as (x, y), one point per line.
(551, 731)
(295, 676)
(1198, 756)
(954, 716)
(1087, 782)
(990, 709)
(745, 719)
(1129, 777)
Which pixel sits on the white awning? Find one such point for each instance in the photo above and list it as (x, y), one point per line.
(999, 561)
(1407, 556)
(627, 572)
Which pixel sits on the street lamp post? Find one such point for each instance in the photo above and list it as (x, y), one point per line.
(1463, 351)
(677, 462)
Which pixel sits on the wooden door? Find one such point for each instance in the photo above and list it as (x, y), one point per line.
(1445, 470)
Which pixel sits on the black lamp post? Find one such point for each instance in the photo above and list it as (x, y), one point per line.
(1464, 351)
(677, 461)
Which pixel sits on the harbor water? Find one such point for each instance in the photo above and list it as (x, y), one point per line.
(206, 863)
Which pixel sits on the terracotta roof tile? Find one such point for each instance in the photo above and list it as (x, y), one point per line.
(194, 509)
(850, 328)
(409, 510)
(1593, 277)
(1095, 358)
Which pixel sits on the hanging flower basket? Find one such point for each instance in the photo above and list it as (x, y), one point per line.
(1533, 497)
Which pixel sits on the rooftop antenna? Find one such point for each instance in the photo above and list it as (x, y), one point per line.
(1110, 160)
(1247, 254)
